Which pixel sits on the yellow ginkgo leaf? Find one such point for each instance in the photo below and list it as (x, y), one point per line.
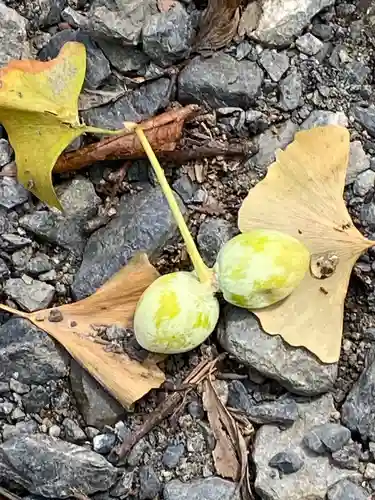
(302, 195)
(39, 110)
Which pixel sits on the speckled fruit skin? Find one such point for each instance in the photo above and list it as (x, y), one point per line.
(261, 267)
(175, 314)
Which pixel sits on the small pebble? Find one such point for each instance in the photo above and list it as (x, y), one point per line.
(103, 443)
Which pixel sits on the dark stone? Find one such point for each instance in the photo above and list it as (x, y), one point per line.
(51, 12)
(98, 408)
(366, 117)
(332, 436)
(167, 36)
(36, 400)
(286, 461)
(4, 270)
(348, 456)
(40, 263)
(12, 193)
(346, 490)
(124, 485)
(125, 59)
(149, 483)
(291, 91)
(238, 397)
(212, 488)
(299, 371)
(212, 235)
(322, 31)
(137, 105)
(144, 223)
(356, 73)
(30, 352)
(172, 455)
(67, 230)
(357, 412)
(97, 69)
(220, 81)
(54, 468)
(279, 412)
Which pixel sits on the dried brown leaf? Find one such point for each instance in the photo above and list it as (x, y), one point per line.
(302, 195)
(218, 24)
(163, 132)
(114, 303)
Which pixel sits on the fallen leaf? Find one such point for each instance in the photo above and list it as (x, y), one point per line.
(39, 110)
(224, 453)
(218, 24)
(166, 5)
(302, 195)
(249, 19)
(231, 451)
(114, 303)
(163, 132)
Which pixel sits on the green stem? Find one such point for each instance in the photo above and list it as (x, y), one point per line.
(203, 272)
(104, 131)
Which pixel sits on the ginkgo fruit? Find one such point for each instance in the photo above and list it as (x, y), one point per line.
(261, 267)
(179, 310)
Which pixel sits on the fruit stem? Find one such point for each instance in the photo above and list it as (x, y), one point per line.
(104, 131)
(203, 272)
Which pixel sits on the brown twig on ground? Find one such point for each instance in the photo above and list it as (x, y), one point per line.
(163, 410)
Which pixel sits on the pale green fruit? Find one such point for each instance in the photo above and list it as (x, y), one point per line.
(261, 267)
(175, 314)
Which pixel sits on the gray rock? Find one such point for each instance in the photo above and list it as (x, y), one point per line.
(98, 408)
(185, 188)
(6, 152)
(144, 223)
(317, 473)
(331, 436)
(103, 443)
(80, 203)
(167, 36)
(275, 63)
(356, 73)
(320, 118)
(172, 455)
(73, 432)
(125, 59)
(21, 258)
(120, 20)
(6, 408)
(219, 81)
(358, 410)
(12, 193)
(40, 263)
(212, 235)
(137, 105)
(12, 242)
(291, 91)
(294, 368)
(54, 468)
(278, 412)
(322, 31)
(368, 214)
(74, 18)
(358, 162)
(13, 35)
(364, 183)
(269, 141)
(36, 400)
(123, 486)
(149, 484)
(31, 296)
(346, 490)
(18, 387)
(286, 462)
(50, 12)
(366, 117)
(97, 65)
(348, 457)
(26, 350)
(281, 21)
(308, 44)
(212, 488)
(4, 270)
(18, 430)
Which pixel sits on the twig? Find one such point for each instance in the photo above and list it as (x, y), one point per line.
(163, 410)
(7, 494)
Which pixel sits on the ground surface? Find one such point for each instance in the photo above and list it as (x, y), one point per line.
(57, 426)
